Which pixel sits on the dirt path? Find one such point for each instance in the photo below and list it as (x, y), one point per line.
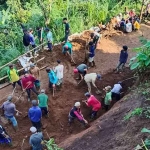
(106, 59)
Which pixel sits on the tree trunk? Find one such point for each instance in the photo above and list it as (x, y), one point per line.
(142, 7)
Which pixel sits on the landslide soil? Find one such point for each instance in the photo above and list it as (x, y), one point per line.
(106, 60)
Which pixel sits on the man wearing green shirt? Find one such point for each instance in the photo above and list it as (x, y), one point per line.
(108, 97)
(43, 102)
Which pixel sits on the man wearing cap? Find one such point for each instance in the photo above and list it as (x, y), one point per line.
(28, 84)
(9, 110)
(49, 39)
(53, 80)
(43, 102)
(13, 76)
(116, 91)
(94, 103)
(35, 115)
(82, 70)
(91, 78)
(108, 97)
(76, 113)
(123, 58)
(59, 70)
(36, 139)
(35, 71)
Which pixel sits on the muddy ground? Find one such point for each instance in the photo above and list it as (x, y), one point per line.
(59, 106)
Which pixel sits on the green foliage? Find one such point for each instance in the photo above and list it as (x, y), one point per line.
(141, 61)
(146, 112)
(34, 13)
(51, 145)
(135, 112)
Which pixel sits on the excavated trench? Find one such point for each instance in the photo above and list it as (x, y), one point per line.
(60, 105)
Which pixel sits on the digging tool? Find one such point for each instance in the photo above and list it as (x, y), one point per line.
(71, 58)
(13, 91)
(22, 93)
(53, 91)
(47, 133)
(84, 101)
(98, 91)
(23, 142)
(80, 81)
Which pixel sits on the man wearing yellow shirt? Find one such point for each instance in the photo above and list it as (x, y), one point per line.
(13, 76)
(136, 25)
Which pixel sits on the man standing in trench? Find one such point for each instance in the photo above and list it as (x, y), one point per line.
(35, 115)
(28, 84)
(9, 109)
(91, 78)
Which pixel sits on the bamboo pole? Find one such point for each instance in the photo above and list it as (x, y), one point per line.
(142, 7)
(22, 55)
(9, 83)
(21, 69)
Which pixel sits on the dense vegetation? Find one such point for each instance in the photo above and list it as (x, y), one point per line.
(82, 14)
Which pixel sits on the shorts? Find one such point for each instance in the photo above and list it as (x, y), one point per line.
(60, 81)
(37, 83)
(26, 48)
(12, 119)
(91, 59)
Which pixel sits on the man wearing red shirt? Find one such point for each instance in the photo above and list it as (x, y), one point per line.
(94, 103)
(28, 84)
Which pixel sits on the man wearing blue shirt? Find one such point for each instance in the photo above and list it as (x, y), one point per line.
(91, 54)
(53, 80)
(123, 58)
(35, 115)
(32, 39)
(49, 39)
(67, 29)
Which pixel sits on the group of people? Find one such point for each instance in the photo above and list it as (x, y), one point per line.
(31, 81)
(126, 22)
(30, 40)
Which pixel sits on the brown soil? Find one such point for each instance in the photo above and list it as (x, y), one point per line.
(59, 106)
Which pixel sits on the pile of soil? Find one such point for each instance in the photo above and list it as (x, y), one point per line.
(106, 59)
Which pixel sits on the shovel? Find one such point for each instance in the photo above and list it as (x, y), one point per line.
(13, 91)
(98, 91)
(80, 81)
(22, 93)
(71, 58)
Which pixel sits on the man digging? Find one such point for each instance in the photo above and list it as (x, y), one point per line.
(81, 70)
(43, 102)
(67, 49)
(75, 113)
(91, 78)
(28, 84)
(9, 110)
(94, 103)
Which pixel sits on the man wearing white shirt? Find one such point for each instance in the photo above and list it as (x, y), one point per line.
(116, 91)
(59, 70)
(128, 27)
(91, 78)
